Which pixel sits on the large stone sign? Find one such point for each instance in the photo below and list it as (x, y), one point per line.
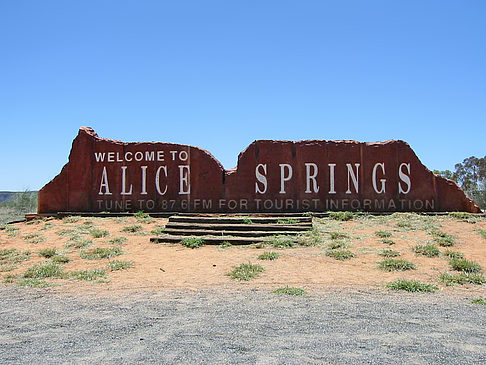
(271, 176)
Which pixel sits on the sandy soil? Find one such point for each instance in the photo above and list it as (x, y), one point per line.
(162, 266)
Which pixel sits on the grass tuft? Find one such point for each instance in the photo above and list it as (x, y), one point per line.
(60, 259)
(88, 275)
(71, 219)
(340, 254)
(341, 216)
(389, 253)
(288, 290)
(132, 229)
(412, 286)
(77, 241)
(480, 301)
(396, 265)
(428, 250)
(100, 253)
(482, 232)
(116, 265)
(281, 242)
(46, 270)
(338, 235)
(33, 283)
(453, 254)
(98, 233)
(465, 265)
(269, 256)
(388, 241)
(143, 217)
(48, 252)
(462, 278)
(118, 241)
(193, 242)
(383, 234)
(287, 221)
(159, 231)
(245, 272)
(337, 244)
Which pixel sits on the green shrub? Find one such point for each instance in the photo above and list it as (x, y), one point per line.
(98, 233)
(480, 301)
(99, 253)
(388, 241)
(12, 231)
(465, 265)
(246, 272)
(383, 234)
(445, 241)
(396, 265)
(341, 216)
(159, 231)
(453, 254)
(338, 235)
(116, 265)
(118, 240)
(268, 256)
(48, 252)
(88, 275)
(287, 221)
(225, 244)
(309, 238)
(132, 229)
(71, 219)
(143, 217)
(60, 259)
(389, 253)
(247, 221)
(428, 250)
(7, 267)
(193, 242)
(46, 270)
(340, 254)
(282, 242)
(404, 224)
(482, 232)
(462, 278)
(287, 290)
(13, 256)
(412, 286)
(33, 283)
(78, 241)
(337, 244)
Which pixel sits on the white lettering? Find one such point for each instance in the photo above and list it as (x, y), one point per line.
(184, 181)
(104, 183)
(261, 178)
(157, 180)
(100, 156)
(124, 173)
(284, 177)
(144, 180)
(383, 181)
(405, 178)
(311, 177)
(354, 177)
(331, 178)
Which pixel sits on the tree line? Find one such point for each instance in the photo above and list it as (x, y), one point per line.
(470, 174)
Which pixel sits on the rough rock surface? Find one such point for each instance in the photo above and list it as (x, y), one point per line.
(271, 176)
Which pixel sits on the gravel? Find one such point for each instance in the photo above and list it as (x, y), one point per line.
(41, 326)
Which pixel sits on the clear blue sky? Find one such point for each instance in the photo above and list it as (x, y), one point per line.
(220, 74)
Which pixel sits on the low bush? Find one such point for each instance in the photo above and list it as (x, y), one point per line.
(338, 235)
(118, 241)
(396, 265)
(428, 250)
(269, 256)
(193, 242)
(132, 229)
(465, 265)
(48, 252)
(337, 244)
(46, 270)
(462, 278)
(341, 216)
(98, 233)
(340, 254)
(453, 254)
(100, 253)
(60, 259)
(116, 265)
(412, 286)
(287, 290)
(88, 275)
(282, 242)
(480, 301)
(383, 234)
(245, 272)
(389, 253)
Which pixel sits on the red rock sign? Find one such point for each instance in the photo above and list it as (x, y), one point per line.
(271, 176)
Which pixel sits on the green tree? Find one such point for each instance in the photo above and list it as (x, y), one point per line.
(471, 175)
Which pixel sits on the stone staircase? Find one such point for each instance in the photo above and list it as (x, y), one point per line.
(235, 229)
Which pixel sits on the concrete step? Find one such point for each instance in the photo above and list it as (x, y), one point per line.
(242, 227)
(212, 240)
(239, 220)
(204, 232)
